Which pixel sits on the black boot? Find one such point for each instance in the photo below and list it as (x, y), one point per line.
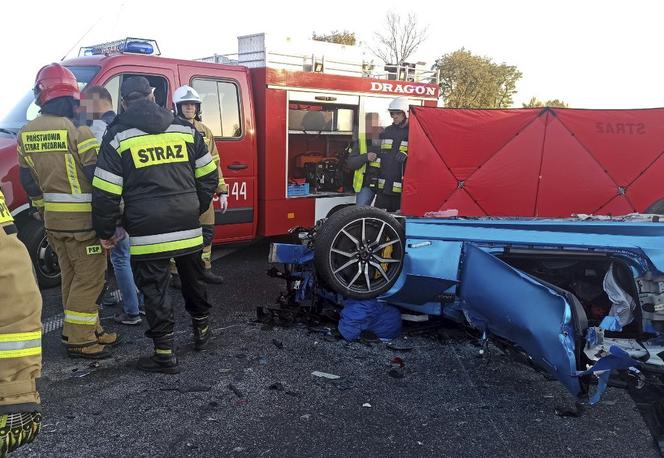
(163, 360)
(166, 364)
(202, 332)
(211, 277)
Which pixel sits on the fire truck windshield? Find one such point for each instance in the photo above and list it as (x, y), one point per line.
(26, 110)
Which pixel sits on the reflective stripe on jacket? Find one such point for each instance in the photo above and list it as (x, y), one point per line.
(208, 137)
(393, 154)
(56, 153)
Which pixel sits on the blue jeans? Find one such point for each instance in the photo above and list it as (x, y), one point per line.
(124, 276)
(365, 196)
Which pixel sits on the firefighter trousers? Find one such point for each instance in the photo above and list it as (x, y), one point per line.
(388, 202)
(206, 255)
(82, 265)
(20, 327)
(152, 279)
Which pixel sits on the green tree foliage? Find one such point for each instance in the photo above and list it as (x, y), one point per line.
(534, 102)
(470, 81)
(336, 36)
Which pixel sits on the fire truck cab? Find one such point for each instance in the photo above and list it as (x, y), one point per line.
(283, 121)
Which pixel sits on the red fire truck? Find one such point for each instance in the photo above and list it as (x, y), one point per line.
(282, 123)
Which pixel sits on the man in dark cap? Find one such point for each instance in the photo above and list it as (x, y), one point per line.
(161, 168)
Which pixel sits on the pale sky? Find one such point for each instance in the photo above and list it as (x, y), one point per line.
(589, 53)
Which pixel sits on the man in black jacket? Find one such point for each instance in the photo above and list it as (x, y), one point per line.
(162, 170)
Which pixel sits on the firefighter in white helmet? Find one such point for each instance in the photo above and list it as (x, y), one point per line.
(393, 155)
(187, 105)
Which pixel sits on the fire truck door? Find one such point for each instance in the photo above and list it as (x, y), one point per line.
(226, 109)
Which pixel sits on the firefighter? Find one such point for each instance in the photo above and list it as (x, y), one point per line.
(187, 104)
(57, 160)
(20, 340)
(160, 167)
(393, 155)
(365, 162)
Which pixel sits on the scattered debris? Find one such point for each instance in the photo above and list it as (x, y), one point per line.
(234, 389)
(278, 386)
(574, 412)
(369, 337)
(396, 373)
(325, 375)
(399, 346)
(187, 389)
(367, 405)
(414, 317)
(94, 364)
(278, 343)
(342, 385)
(81, 374)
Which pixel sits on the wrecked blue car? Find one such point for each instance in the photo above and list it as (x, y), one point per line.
(579, 298)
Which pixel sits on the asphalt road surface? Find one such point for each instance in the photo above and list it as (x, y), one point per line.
(252, 393)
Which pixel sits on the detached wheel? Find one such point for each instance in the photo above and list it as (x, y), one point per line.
(359, 252)
(657, 207)
(44, 259)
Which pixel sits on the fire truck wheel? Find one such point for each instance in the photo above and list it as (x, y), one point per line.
(359, 252)
(44, 259)
(657, 207)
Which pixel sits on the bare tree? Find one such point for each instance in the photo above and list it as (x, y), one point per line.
(399, 39)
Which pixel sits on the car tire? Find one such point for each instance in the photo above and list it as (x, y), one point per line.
(357, 267)
(44, 259)
(657, 207)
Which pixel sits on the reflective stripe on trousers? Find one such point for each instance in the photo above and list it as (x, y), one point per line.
(89, 319)
(20, 344)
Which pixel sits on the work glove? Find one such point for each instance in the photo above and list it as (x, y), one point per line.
(223, 202)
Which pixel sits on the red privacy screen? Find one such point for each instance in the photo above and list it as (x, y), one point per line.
(533, 162)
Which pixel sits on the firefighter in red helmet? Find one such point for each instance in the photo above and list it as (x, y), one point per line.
(59, 184)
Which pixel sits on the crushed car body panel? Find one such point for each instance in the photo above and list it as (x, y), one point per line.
(510, 304)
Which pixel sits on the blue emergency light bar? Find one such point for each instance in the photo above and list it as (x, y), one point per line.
(127, 45)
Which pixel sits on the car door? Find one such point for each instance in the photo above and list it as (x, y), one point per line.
(536, 317)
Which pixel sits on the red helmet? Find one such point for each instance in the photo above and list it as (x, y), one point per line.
(54, 81)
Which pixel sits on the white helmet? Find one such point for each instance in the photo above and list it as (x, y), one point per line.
(186, 94)
(400, 104)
